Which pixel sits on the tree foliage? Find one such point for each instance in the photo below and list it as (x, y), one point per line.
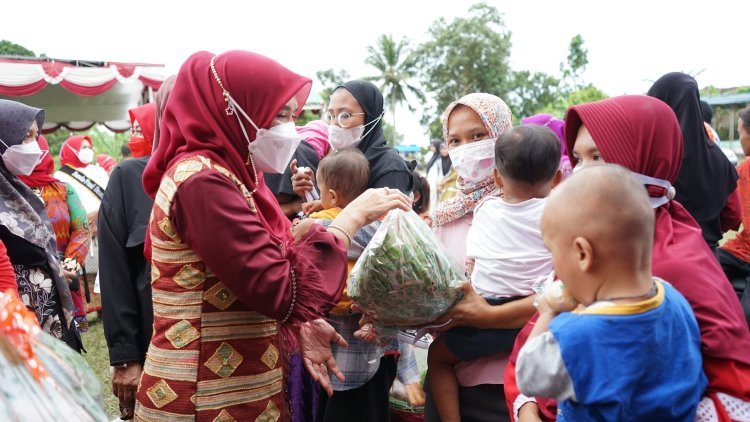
(56, 139)
(8, 48)
(578, 59)
(397, 67)
(545, 94)
(532, 92)
(330, 79)
(468, 54)
(392, 138)
(587, 94)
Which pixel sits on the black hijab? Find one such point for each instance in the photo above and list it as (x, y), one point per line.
(446, 161)
(706, 178)
(383, 159)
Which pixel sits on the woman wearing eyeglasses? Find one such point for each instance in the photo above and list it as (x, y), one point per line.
(354, 118)
(25, 228)
(68, 218)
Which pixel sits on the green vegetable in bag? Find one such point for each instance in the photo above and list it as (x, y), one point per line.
(405, 276)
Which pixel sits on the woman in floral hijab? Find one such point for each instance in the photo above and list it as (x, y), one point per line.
(27, 232)
(473, 119)
(470, 127)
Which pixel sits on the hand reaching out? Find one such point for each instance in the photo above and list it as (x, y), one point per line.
(315, 338)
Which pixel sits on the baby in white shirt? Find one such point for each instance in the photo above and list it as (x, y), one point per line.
(509, 256)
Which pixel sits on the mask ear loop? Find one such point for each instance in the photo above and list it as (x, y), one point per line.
(232, 109)
(373, 123)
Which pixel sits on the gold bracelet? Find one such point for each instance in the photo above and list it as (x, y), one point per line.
(346, 233)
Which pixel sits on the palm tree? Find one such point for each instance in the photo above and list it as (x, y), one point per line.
(397, 66)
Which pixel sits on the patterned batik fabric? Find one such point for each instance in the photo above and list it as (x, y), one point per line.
(211, 358)
(39, 293)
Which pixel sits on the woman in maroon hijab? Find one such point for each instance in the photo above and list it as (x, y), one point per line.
(228, 277)
(643, 135)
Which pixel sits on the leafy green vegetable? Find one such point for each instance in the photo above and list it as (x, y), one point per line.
(405, 276)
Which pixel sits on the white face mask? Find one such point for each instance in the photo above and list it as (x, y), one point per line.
(474, 161)
(86, 156)
(341, 138)
(648, 180)
(273, 148)
(22, 158)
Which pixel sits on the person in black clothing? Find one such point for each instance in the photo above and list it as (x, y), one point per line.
(124, 272)
(354, 116)
(706, 185)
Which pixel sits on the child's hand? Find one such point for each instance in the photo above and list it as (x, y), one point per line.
(529, 412)
(311, 207)
(301, 229)
(557, 299)
(366, 333)
(415, 394)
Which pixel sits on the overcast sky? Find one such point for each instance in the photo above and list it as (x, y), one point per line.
(630, 43)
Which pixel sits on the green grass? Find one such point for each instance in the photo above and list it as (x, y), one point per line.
(98, 358)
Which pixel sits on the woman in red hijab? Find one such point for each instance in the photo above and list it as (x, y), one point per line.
(228, 277)
(642, 134)
(69, 221)
(76, 168)
(89, 181)
(142, 123)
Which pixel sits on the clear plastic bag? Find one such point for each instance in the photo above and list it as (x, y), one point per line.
(41, 378)
(405, 277)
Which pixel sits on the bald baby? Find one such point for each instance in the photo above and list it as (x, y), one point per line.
(599, 226)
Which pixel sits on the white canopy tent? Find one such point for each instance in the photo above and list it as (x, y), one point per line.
(78, 94)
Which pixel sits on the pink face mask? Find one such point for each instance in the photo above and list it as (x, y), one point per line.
(474, 161)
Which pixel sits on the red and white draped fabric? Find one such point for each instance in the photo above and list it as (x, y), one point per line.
(117, 126)
(27, 77)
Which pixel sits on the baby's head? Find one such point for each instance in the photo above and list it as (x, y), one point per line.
(342, 176)
(421, 191)
(527, 161)
(599, 225)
